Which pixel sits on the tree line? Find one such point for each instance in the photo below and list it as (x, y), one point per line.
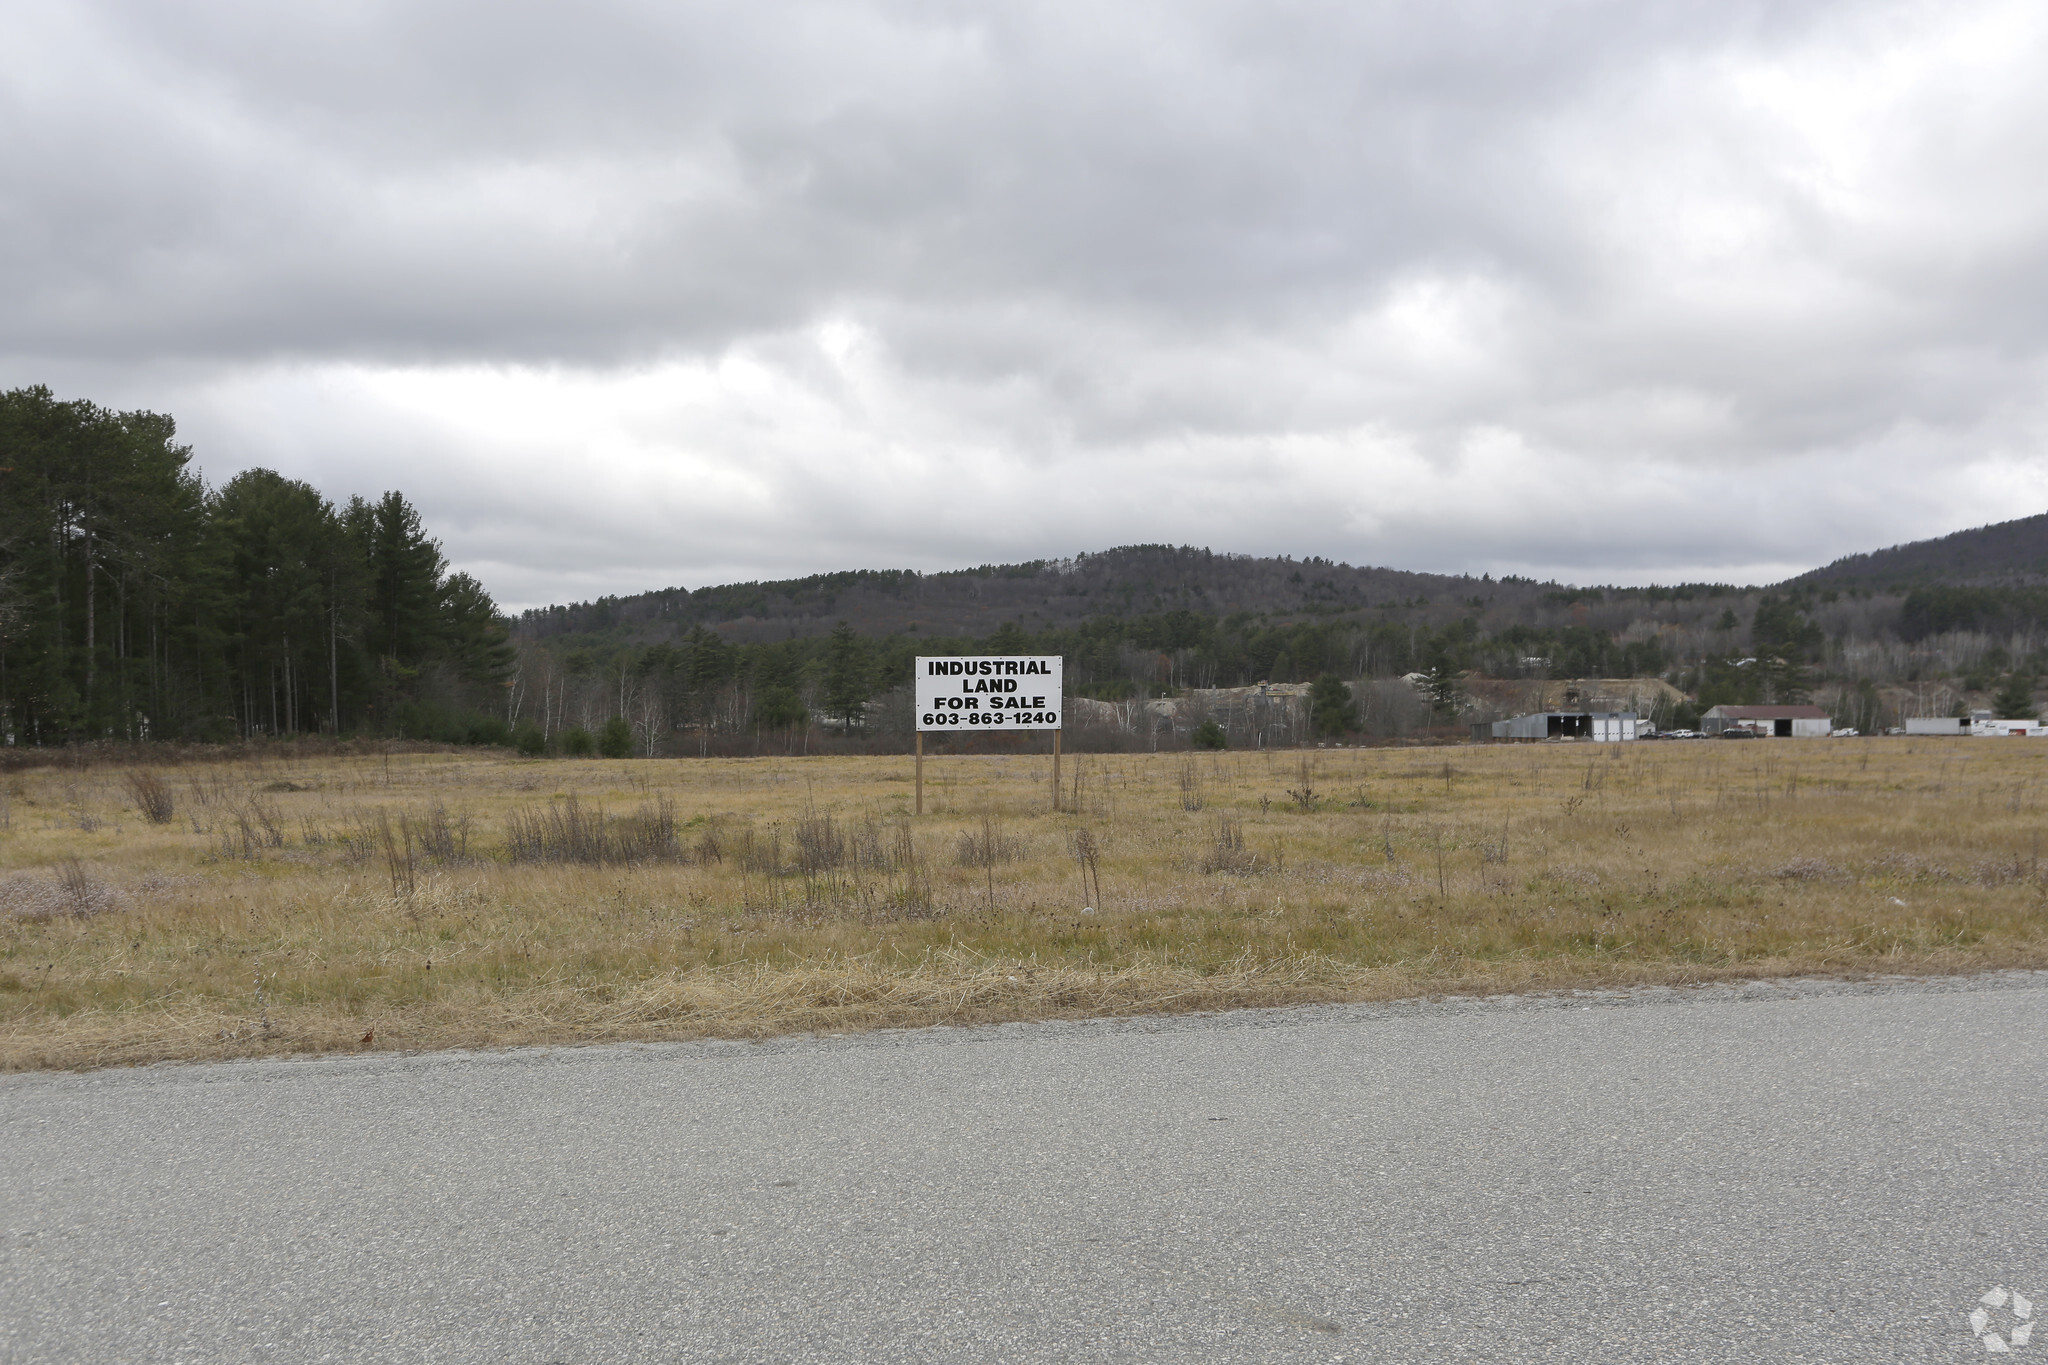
(138, 603)
(569, 687)
(700, 683)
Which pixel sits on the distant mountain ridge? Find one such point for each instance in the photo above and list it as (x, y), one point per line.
(1040, 594)
(1137, 580)
(2004, 553)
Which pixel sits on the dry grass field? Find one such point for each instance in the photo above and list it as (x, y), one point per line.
(454, 900)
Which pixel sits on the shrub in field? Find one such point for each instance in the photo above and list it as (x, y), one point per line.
(561, 832)
(569, 832)
(1228, 852)
(442, 837)
(73, 891)
(1088, 853)
(1210, 735)
(247, 830)
(576, 743)
(988, 845)
(528, 739)
(647, 835)
(401, 855)
(1304, 793)
(616, 739)
(820, 846)
(152, 796)
(876, 847)
(759, 853)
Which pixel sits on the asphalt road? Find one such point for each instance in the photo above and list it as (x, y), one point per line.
(1825, 1173)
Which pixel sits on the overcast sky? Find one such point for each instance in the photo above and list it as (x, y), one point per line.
(627, 296)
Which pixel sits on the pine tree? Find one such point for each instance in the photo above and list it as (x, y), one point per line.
(779, 708)
(472, 635)
(405, 567)
(2015, 701)
(1785, 642)
(273, 537)
(1330, 708)
(99, 519)
(847, 677)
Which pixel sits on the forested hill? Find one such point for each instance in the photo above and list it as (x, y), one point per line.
(1149, 619)
(1041, 595)
(1139, 580)
(1128, 620)
(2008, 553)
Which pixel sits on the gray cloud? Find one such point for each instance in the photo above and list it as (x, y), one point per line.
(628, 295)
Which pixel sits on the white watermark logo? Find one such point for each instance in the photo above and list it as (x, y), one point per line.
(2005, 1321)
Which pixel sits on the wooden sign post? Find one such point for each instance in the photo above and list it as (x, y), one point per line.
(979, 693)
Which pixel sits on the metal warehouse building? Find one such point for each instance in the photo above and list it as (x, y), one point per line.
(1604, 727)
(1797, 722)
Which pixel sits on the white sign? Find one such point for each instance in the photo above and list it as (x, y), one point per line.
(984, 692)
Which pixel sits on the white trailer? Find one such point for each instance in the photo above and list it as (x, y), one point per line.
(2009, 729)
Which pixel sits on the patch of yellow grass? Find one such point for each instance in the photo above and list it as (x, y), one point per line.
(280, 911)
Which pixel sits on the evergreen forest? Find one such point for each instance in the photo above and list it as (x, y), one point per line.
(138, 603)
